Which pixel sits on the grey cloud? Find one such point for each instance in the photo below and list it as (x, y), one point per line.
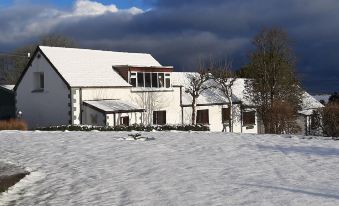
(179, 32)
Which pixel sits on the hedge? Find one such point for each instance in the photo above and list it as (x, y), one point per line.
(135, 127)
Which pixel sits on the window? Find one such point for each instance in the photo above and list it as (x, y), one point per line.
(226, 115)
(133, 79)
(154, 80)
(161, 79)
(148, 80)
(202, 116)
(159, 117)
(248, 118)
(124, 121)
(168, 80)
(140, 79)
(39, 81)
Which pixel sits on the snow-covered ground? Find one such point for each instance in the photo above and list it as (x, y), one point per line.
(177, 168)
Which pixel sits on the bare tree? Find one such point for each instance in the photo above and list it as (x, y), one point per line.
(224, 78)
(197, 85)
(150, 101)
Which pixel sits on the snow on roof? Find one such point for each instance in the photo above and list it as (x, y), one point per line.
(8, 87)
(210, 96)
(93, 68)
(309, 104)
(114, 106)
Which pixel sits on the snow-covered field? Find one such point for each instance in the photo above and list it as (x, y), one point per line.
(177, 168)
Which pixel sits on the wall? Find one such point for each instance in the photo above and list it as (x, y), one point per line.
(215, 118)
(166, 99)
(90, 115)
(134, 118)
(46, 108)
(7, 104)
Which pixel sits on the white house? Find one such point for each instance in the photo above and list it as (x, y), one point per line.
(63, 86)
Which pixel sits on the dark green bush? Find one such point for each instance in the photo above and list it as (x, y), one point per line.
(135, 127)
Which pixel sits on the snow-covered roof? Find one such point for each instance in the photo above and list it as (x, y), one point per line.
(93, 68)
(309, 104)
(8, 87)
(209, 96)
(114, 106)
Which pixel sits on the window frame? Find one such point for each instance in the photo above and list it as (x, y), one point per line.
(157, 79)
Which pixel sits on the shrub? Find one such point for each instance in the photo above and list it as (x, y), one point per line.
(330, 120)
(281, 119)
(135, 127)
(13, 124)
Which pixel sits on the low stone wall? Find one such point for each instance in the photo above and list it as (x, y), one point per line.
(10, 174)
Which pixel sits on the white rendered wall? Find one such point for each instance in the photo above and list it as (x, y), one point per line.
(134, 118)
(168, 100)
(215, 118)
(46, 108)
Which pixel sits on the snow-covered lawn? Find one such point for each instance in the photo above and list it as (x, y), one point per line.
(177, 168)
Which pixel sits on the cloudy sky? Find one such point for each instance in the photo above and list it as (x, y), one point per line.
(178, 32)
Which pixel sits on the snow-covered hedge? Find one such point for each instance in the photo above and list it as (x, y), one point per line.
(135, 127)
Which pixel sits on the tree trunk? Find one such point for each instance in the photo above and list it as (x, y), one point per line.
(194, 111)
(231, 114)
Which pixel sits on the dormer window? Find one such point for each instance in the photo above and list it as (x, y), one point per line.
(133, 79)
(150, 79)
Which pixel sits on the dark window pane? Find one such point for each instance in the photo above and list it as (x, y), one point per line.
(225, 115)
(140, 79)
(168, 82)
(42, 81)
(133, 79)
(147, 79)
(159, 117)
(154, 80)
(248, 118)
(202, 116)
(161, 79)
(124, 121)
(133, 82)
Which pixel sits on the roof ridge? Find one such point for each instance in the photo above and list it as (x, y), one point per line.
(87, 49)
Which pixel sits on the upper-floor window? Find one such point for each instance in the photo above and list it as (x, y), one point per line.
(133, 79)
(39, 81)
(150, 79)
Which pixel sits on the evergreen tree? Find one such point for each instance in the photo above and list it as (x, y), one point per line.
(274, 83)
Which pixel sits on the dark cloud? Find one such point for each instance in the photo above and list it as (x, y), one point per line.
(179, 32)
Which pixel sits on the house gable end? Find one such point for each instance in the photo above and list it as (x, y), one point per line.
(39, 51)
